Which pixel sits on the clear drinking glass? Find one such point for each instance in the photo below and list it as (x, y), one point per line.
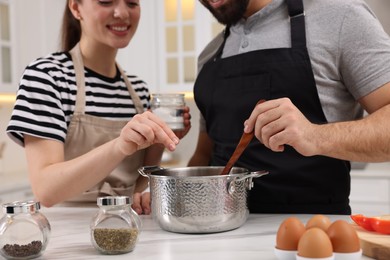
(169, 107)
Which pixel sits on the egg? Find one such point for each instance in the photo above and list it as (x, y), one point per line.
(344, 237)
(289, 233)
(319, 221)
(315, 243)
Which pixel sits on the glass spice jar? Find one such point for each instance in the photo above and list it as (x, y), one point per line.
(24, 231)
(116, 226)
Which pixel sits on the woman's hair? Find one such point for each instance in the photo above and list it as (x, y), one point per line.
(71, 30)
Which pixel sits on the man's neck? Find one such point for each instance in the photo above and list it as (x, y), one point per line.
(255, 5)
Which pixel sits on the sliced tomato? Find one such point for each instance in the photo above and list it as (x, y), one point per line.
(381, 224)
(363, 221)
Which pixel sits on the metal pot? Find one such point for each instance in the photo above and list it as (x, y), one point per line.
(199, 199)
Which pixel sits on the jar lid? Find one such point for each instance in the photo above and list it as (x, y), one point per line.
(21, 207)
(113, 201)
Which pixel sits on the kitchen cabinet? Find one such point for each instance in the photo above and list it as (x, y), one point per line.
(6, 43)
(185, 28)
(34, 29)
(171, 34)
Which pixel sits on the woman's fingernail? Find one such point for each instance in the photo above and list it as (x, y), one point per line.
(176, 140)
(171, 147)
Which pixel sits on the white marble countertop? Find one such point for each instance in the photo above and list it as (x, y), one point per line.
(70, 239)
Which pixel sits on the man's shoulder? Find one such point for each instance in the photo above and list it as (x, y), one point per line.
(334, 6)
(210, 49)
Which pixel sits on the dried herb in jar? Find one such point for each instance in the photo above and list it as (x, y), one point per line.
(15, 250)
(112, 240)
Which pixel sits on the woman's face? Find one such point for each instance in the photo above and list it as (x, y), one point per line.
(109, 22)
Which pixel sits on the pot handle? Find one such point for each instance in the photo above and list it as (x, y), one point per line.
(147, 170)
(248, 178)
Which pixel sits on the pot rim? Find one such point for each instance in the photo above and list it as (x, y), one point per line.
(156, 172)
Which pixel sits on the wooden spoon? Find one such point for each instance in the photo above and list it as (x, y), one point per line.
(242, 144)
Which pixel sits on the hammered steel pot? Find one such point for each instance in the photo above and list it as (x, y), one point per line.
(199, 199)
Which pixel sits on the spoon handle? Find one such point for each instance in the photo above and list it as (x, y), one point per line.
(244, 141)
(242, 144)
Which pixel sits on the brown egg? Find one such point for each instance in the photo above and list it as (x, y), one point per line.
(315, 243)
(344, 237)
(319, 221)
(289, 233)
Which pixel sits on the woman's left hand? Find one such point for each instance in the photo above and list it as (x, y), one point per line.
(187, 124)
(141, 203)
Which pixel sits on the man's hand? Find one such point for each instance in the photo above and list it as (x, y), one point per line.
(279, 122)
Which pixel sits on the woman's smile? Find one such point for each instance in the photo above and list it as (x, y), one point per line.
(119, 29)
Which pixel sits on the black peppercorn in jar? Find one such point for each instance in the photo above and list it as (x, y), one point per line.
(24, 231)
(116, 226)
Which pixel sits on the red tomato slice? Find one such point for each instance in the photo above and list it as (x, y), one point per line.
(381, 224)
(362, 221)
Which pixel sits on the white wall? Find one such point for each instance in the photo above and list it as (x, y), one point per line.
(140, 56)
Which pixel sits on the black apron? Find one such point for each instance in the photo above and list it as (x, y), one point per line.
(226, 92)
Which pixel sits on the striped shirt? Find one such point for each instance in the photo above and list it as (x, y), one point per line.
(47, 94)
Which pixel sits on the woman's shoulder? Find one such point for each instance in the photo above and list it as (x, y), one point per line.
(134, 79)
(138, 83)
(59, 61)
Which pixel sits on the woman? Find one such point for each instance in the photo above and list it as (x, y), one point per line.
(73, 109)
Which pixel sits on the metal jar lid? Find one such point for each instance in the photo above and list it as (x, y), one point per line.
(21, 207)
(113, 201)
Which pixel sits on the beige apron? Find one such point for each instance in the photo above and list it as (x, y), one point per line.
(86, 132)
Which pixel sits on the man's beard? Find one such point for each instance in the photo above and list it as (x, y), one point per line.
(230, 13)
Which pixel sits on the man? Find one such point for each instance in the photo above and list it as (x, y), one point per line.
(317, 64)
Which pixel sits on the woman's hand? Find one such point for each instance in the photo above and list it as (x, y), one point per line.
(141, 203)
(187, 123)
(142, 131)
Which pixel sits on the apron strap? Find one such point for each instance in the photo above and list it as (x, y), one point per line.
(78, 65)
(219, 52)
(80, 83)
(297, 20)
(136, 100)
